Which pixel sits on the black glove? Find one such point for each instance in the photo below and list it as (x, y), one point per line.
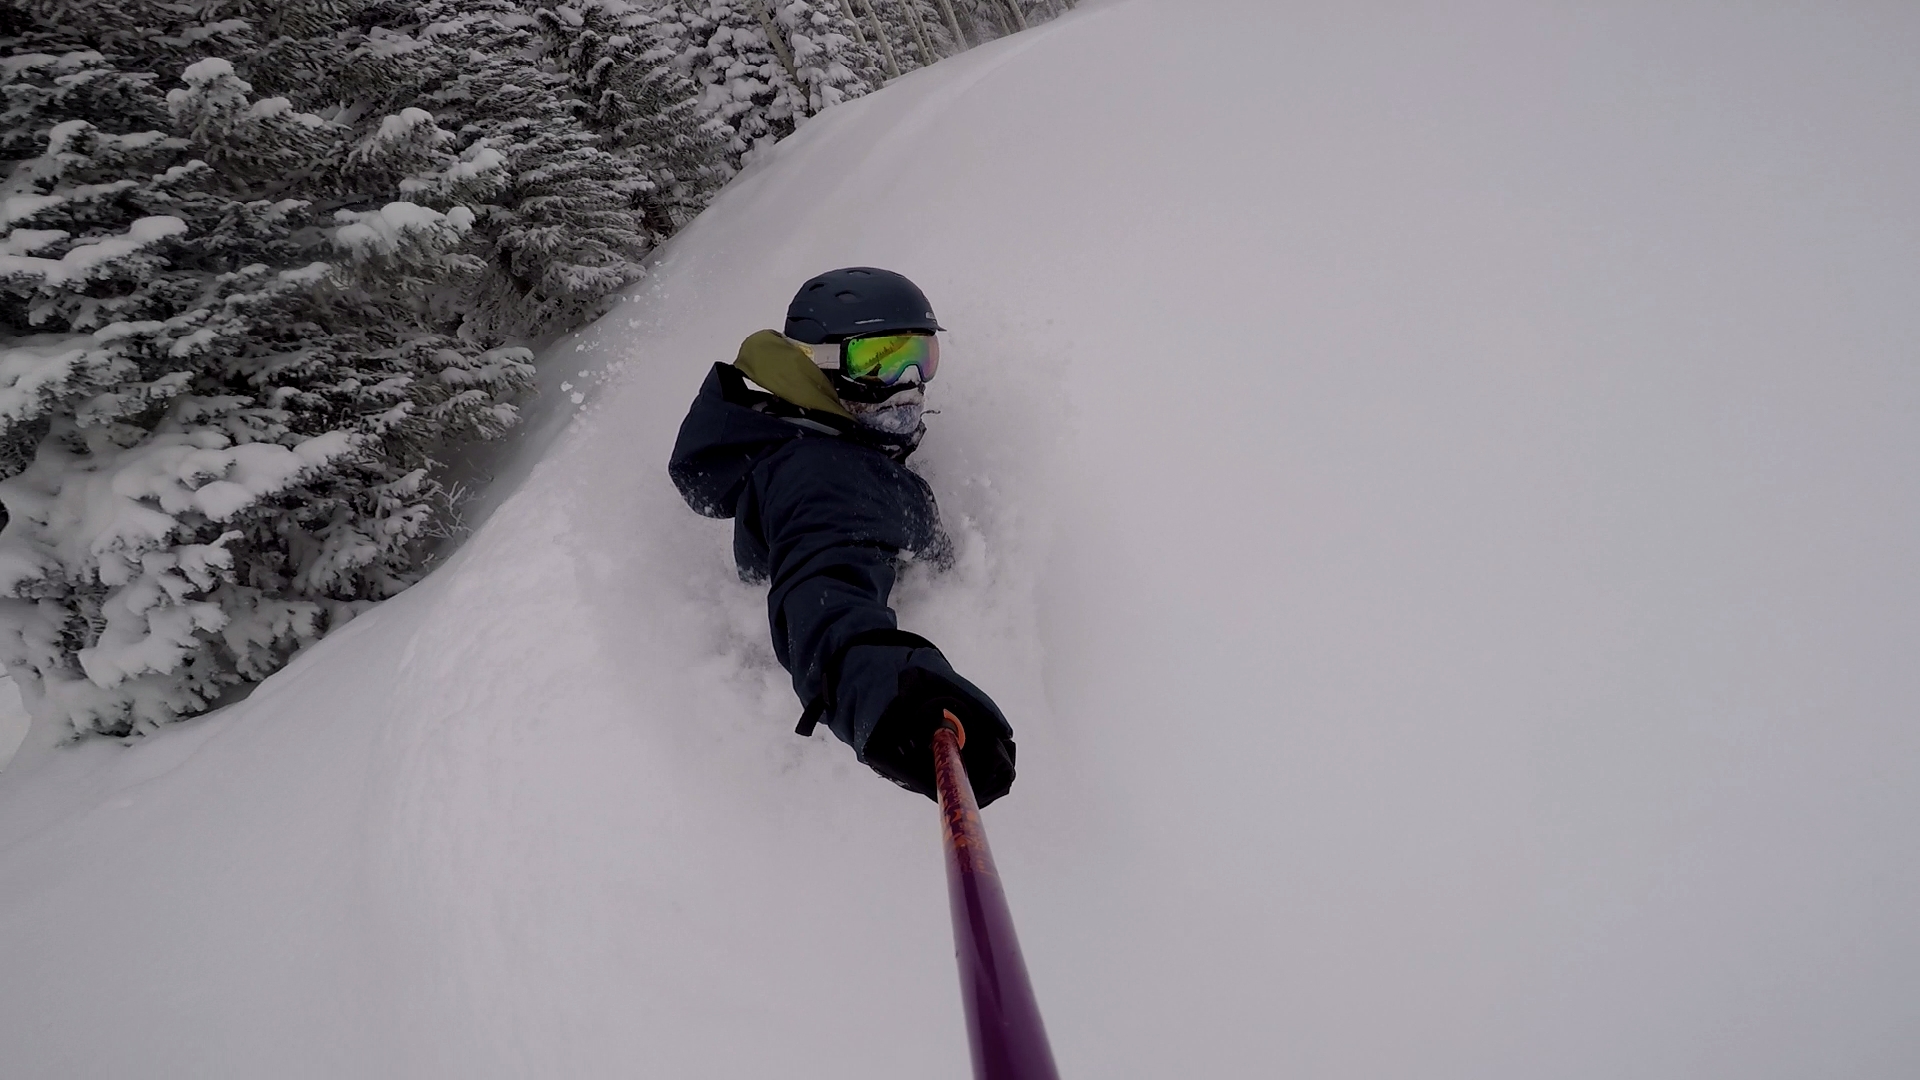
(897, 694)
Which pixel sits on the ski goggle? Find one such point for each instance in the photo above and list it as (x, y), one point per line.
(885, 358)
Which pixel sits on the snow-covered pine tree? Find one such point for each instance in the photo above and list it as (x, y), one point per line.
(983, 20)
(226, 356)
(934, 35)
(951, 21)
(728, 56)
(916, 27)
(620, 59)
(871, 33)
(987, 20)
(1033, 12)
(729, 51)
(560, 230)
(831, 59)
(764, 66)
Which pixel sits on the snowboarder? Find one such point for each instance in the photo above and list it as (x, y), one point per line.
(803, 442)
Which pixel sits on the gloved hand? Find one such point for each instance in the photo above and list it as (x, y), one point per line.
(897, 694)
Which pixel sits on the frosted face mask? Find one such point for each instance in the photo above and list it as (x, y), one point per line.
(899, 413)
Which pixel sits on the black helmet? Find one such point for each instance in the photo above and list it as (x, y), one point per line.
(857, 300)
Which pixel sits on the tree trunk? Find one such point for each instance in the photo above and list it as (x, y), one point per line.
(886, 42)
(953, 24)
(920, 40)
(779, 42)
(846, 8)
(1019, 20)
(1000, 16)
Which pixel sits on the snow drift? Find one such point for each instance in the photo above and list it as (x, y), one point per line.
(1435, 495)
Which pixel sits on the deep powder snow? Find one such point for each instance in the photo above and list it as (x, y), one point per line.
(1436, 497)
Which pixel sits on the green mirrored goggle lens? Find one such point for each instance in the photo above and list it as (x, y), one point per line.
(886, 358)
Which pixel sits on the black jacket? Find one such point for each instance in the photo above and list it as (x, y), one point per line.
(823, 510)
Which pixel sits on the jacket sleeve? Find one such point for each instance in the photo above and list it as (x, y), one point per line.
(721, 441)
(833, 518)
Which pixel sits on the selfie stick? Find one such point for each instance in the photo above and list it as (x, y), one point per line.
(1003, 1020)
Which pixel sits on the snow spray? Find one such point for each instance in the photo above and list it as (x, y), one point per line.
(1003, 1020)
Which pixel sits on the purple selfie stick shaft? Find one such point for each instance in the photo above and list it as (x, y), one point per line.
(1003, 1020)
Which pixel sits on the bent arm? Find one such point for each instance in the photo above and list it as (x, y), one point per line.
(834, 519)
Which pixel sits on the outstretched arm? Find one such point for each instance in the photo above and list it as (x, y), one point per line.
(831, 520)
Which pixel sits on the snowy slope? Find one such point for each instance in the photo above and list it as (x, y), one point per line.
(13, 721)
(1437, 500)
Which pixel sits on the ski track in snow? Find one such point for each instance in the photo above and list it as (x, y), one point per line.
(1434, 494)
